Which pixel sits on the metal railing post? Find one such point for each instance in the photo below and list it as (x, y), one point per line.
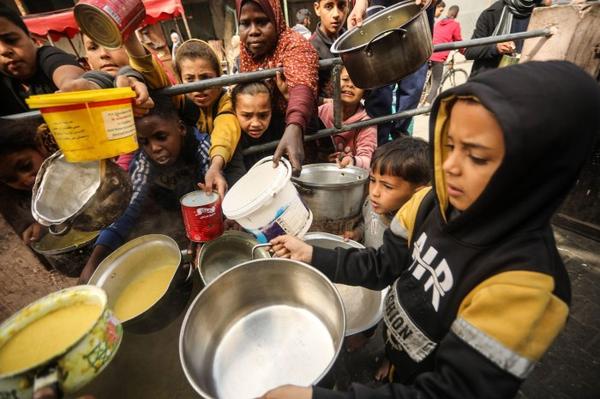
(337, 96)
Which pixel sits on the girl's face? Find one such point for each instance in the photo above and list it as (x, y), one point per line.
(18, 169)
(199, 69)
(256, 30)
(101, 59)
(17, 51)
(253, 113)
(161, 139)
(351, 95)
(475, 150)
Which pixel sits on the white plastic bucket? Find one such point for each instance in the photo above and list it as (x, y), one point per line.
(265, 202)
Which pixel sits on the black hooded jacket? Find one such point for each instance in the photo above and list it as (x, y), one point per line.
(478, 297)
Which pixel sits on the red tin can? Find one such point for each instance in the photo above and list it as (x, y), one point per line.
(109, 22)
(202, 216)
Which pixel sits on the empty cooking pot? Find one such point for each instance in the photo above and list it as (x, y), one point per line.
(88, 196)
(389, 45)
(262, 324)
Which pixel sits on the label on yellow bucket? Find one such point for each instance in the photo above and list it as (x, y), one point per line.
(90, 125)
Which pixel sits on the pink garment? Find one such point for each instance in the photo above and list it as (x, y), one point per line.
(445, 31)
(362, 142)
(124, 160)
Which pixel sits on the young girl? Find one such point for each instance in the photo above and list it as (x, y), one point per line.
(171, 160)
(210, 110)
(479, 291)
(267, 42)
(354, 147)
(253, 108)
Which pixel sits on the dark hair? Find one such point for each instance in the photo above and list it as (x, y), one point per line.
(251, 88)
(441, 4)
(302, 14)
(18, 135)
(405, 157)
(13, 17)
(453, 11)
(196, 49)
(163, 108)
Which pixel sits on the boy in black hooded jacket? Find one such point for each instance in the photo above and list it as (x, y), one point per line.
(479, 291)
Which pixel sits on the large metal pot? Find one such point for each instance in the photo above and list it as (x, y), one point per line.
(67, 253)
(126, 263)
(262, 324)
(76, 365)
(364, 307)
(332, 193)
(87, 196)
(230, 249)
(389, 45)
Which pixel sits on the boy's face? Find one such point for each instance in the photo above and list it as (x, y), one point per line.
(351, 95)
(18, 169)
(388, 193)
(17, 51)
(101, 59)
(332, 14)
(161, 139)
(253, 113)
(475, 151)
(199, 69)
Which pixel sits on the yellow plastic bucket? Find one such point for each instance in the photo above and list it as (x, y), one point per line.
(90, 125)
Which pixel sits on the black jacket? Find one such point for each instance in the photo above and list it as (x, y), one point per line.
(478, 296)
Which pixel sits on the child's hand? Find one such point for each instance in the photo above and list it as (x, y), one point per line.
(289, 392)
(352, 235)
(143, 102)
(32, 233)
(214, 179)
(347, 160)
(292, 248)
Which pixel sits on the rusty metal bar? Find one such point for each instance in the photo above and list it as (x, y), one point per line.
(547, 32)
(337, 96)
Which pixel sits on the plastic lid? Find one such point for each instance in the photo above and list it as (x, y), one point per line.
(256, 188)
(77, 97)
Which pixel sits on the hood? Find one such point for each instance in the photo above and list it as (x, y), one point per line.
(446, 21)
(549, 115)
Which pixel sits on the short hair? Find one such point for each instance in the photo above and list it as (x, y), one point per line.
(441, 4)
(18, 135)
(164, 108)
(302, 14)
(453, 11)
(197, 49)
(13, 17)
(251, 88)
(405, 157)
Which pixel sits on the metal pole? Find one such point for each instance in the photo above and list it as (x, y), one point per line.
(73, 46)
(49, 39)
(337, 96)
(492, 39)
(185, 22)
(285, 12)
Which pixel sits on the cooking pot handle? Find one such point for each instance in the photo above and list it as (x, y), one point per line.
(368, 51)
(303, 190)
(257, 246)
(65, 229)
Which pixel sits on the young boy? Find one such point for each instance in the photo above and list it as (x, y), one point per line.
(172, 159)
(479, 291)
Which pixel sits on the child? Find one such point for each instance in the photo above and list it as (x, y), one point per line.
(172, 159)
(253, 108)
(355, 147)
(479, 291)
(210, 110)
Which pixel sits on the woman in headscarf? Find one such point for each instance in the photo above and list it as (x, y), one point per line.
(266, 42)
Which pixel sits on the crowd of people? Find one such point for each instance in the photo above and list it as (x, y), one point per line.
(455, 227)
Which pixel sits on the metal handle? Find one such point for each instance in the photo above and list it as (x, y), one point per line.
(368, 51)
(65, 229)
(257, 246)
(303, 190)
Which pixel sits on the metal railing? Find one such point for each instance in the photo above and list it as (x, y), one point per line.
(336, 65)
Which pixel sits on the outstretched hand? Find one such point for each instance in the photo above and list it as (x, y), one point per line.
(291, 247)
(291, 144)
(289, 392)
(143, 102)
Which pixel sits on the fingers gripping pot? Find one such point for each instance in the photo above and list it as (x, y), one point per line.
(88, 196)
(389, 45)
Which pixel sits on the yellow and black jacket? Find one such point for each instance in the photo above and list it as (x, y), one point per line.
(479, 296)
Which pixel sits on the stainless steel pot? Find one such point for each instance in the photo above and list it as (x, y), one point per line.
(332, 193)
(124, 265)
(67, 253)
(87, 196)
(221, 254)
(262, 324)
(364, 307)
(389, 45)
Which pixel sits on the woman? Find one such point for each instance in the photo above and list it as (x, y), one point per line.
(266, 42)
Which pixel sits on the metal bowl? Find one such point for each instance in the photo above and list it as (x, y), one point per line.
(124, 265)
(225, 252)
(262, 324)
(363, 307)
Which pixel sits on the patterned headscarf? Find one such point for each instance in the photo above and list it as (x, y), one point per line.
(299, 58)
(521, 8)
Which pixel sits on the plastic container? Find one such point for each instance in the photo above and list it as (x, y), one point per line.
(265, 202)
(90, 125)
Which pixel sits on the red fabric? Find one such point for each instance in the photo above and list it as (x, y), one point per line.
(445, 31)
(299, 59)
(62, 23)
